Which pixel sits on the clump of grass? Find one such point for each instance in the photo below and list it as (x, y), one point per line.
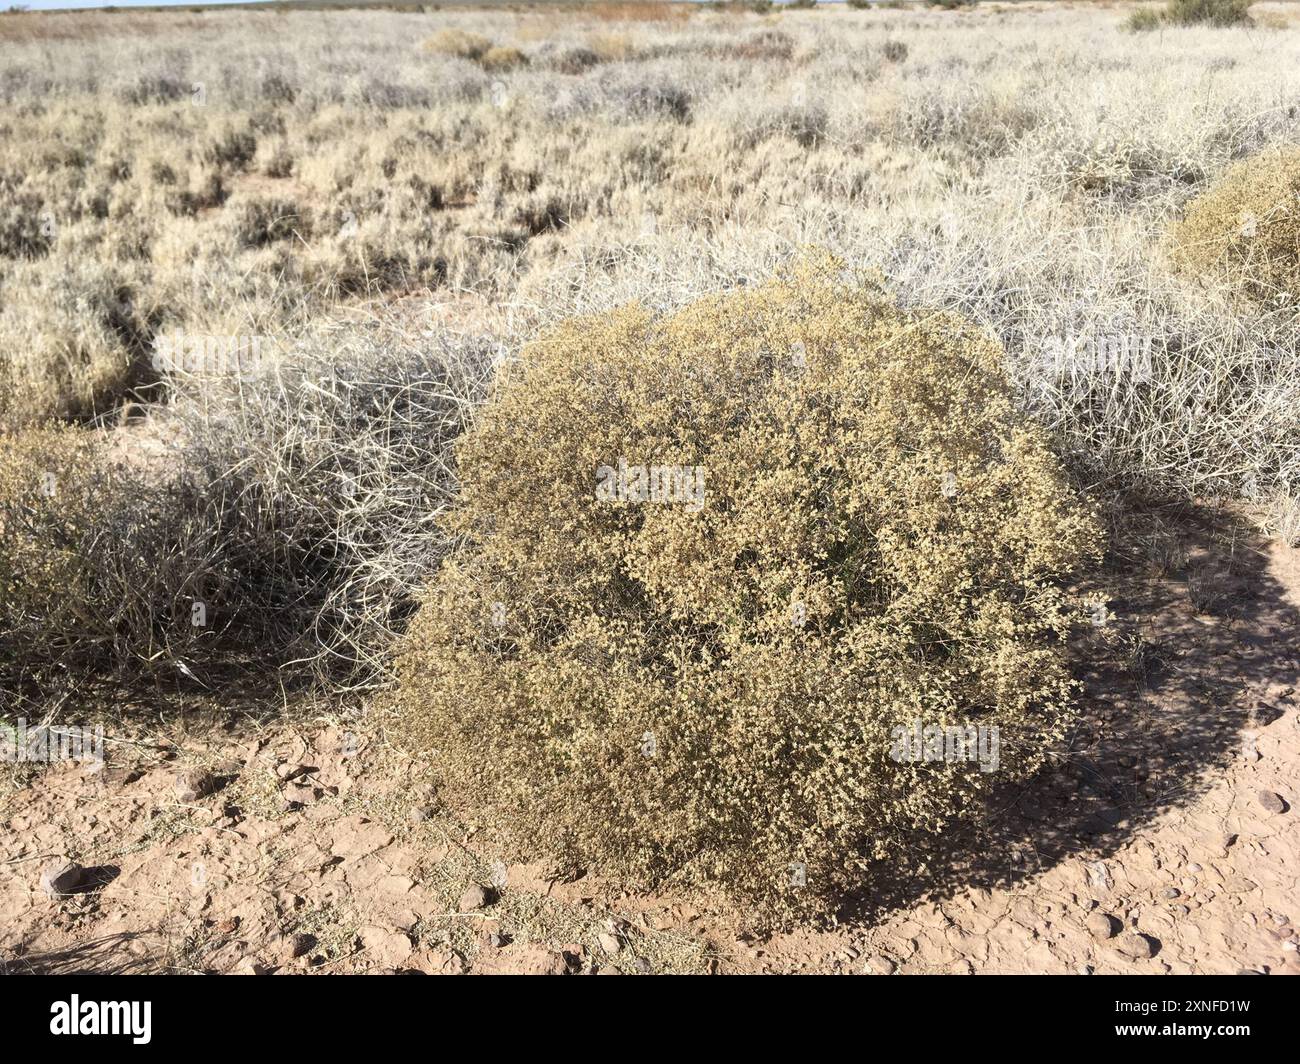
(100, 568)
(706, 692)
(298, 510)
(341, 469)
(1246, 228)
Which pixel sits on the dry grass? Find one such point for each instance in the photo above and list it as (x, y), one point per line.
(234, 174)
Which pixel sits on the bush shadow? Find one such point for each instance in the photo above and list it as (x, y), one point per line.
(1193, 653)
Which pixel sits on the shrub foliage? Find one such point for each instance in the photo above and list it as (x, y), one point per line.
(1247, 227)
(706, 694)
(1209, 12)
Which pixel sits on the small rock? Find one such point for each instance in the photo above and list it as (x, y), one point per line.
(1084, 969)
(302, 793)
(1102, 925)
(291, 947)
(497, 940)
(1239, 885)
(642, 966)
(1137, 946)
(61, 879)
(194, 784)
(477, 897)
(879, 964)
(248, 966)
(1171, 893)
(1193, 868)
(1273, 803)
(609, 943)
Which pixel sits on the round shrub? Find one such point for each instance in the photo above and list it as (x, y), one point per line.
(502, 58)
(695, 675)
(459, 43)
(1209, 12)
(1246, 228)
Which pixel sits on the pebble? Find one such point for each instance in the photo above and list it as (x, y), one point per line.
(1272, 802)
(291, 947)
(194, 784)
(61, 878)
(1137, 946)
(1239, 885)
(1171, 892)
(609, 943)
(1102, 925)
(879, 964)
(477, 897)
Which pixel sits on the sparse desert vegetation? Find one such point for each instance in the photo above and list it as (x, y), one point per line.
(958, 323)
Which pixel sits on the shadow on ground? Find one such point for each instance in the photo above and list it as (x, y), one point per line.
(1184, 667)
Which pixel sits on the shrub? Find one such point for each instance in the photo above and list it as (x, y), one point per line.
(706, 692)
(764, 44)
(235, 149)
(300, 507)
(459, 43)
(99, 567)
(502, 58)
(258, 222)
(1143, 19)
(577, 59)
(326, 480)
(1210, 12)
(894, 51)
(68, 340)
(1246, 228)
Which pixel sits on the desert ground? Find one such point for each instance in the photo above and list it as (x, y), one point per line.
(260, 271)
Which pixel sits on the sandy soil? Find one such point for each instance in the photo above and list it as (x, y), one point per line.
(1154, 845)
